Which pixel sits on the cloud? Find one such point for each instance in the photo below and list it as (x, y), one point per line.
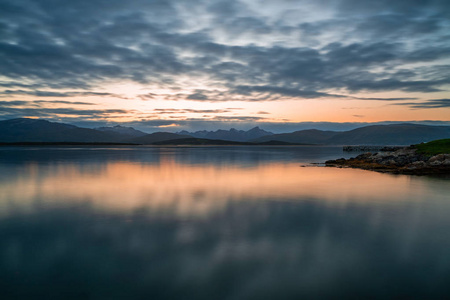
(13, 103)
(237, 118)
(194, 111)
(383, 99)
(61, 102)
(239, 50)
(10, 112)
(433, 103)
(197, 96)
(41, 103)
(266, 92)
(49, 94)
(148, 96)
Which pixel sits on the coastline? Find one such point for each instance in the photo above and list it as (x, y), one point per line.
(407, 160)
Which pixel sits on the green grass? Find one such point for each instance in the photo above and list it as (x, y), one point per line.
(434, 147)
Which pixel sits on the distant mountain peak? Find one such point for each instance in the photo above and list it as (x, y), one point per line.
(255, 129)
(129, 131)
(27, 121)
(232, 134)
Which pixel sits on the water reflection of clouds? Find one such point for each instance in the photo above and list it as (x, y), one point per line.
(247, 250)
(121, 228)
(198, 189)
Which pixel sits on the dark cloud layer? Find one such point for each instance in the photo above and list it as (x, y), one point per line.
(46, 94)
(433, 103)
(52, 109)
(249, 50)
(42, 102)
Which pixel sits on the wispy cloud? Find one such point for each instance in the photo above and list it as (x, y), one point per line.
(46, 94)
(220, 51)
(235, 46)
(41, 103)
(193, 111)
(433, 103)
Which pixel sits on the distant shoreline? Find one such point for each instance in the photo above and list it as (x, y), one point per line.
(180, 142)
(65, 144)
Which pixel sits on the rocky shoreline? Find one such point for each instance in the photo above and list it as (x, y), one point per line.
(371, 148)
(403, 161)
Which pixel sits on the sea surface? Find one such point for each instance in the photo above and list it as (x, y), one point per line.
(216, 223)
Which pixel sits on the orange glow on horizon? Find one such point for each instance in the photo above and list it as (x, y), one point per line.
(196, 189)
(123, 104)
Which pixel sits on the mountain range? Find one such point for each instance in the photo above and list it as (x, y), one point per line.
(33, 130)
(42, 131)
(395, 134)
(125, 131)
(229, 135)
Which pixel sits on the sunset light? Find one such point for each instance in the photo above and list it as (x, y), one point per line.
(224, 149)
(296, 61)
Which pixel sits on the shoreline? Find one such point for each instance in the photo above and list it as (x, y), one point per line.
(406, 160)
(155, 144)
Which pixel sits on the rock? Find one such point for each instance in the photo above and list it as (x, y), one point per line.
(390, 162)
(439, 157)
(391, 149)
(401, 161)
(417, 165)
(380, 155)
(364, 155)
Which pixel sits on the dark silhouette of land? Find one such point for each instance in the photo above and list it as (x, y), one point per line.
(26, 131)
(396, 134)
(432, 158)
(229, 135)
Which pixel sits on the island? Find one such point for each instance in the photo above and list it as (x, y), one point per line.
(432, 158)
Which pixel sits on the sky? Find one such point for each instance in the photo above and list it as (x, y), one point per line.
(171, 65)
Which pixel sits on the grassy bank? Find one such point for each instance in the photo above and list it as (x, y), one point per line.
(434, 147)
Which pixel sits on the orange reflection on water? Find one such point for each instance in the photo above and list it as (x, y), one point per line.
(198, 189)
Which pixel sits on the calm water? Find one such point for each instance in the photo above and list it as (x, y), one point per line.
(217, 223)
